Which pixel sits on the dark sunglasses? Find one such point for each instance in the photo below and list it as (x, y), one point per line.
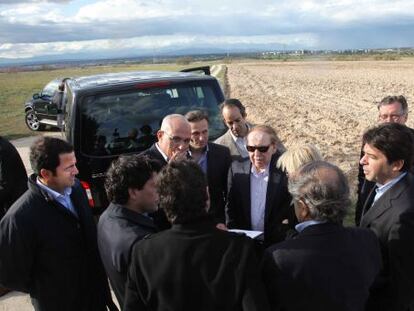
(261, 149)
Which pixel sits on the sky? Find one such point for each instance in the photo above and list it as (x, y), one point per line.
(32, 29)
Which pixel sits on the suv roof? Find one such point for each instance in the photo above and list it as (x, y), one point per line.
(112, 79)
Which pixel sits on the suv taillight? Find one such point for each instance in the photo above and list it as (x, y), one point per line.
(88, 191)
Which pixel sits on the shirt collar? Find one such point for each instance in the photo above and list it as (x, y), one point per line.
(388, 185)
(301, 226)
(66, 192)
(263, 173)
(162, 152)
(235, 138)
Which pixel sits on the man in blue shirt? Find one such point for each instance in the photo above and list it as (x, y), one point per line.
(214, 160)
(389, 212)
(48, 237)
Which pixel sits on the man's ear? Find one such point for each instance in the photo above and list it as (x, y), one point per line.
(303, 210)
(45, 174)
(397, 165)
(159, 135)
(133, 193)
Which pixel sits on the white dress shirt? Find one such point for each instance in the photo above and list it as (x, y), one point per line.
(383, 188)
(241, 145)
(258, 190)
(64, 199)
(162, 152)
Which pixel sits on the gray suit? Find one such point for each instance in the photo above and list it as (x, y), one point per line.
(227, 140)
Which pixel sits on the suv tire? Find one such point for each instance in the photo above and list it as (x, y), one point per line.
(32, 122)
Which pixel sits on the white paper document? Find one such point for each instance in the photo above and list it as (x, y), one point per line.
(250, 233)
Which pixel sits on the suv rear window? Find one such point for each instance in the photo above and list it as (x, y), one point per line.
(117, 123)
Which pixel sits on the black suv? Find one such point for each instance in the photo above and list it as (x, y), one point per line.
(40, 111)
(111, 114)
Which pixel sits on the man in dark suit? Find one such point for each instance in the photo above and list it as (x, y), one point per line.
(213, 159)
(194, 265)
(258, 197)
(173, 144)
(389, 212)
(130, 186)
(325, 266)
(48, 241)
(391, 109)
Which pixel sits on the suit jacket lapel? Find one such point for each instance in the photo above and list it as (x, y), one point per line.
(210, 164)
(246, 199)
(231, 144)
(384, 202)
(273, 189)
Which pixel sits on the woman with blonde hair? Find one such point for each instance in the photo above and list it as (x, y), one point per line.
(296, 156)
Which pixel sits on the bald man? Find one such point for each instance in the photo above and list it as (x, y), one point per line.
(173, 144)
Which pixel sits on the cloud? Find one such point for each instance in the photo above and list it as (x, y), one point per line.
(32, 1)
(107, 24)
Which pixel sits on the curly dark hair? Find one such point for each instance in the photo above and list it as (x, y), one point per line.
(128, 171)
(45, 151)
(182, 188)
(394, 140)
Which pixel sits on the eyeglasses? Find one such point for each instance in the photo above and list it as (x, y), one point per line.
(394, 117)
(261, 149)
(177, 140)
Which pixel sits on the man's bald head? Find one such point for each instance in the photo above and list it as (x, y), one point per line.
(323, 189)
(174, 135)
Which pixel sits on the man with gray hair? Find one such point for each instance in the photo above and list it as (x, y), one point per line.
(325, 266)
(173, 144)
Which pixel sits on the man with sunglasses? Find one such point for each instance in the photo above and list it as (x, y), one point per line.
(258, 196)
(173, 144)
(391, 109)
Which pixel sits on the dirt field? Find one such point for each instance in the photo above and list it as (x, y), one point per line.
(328, 104)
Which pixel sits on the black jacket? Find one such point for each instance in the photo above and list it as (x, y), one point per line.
(194, 267)
(391, 218)
(51, 254)
(118, 229)
(160, 219)
(13, 176)
(279, 215)
(326, 267)
(218, 164)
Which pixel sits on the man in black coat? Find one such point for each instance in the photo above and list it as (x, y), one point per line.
(194, 265)
(389, 213)
(13, 176)
(48, 241)
(391, 109)
(325, 266)
(130, 186)
(258, 197)
(173, 144)
(213, 159)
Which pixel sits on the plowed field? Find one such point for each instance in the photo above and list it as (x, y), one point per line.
(328, 104)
